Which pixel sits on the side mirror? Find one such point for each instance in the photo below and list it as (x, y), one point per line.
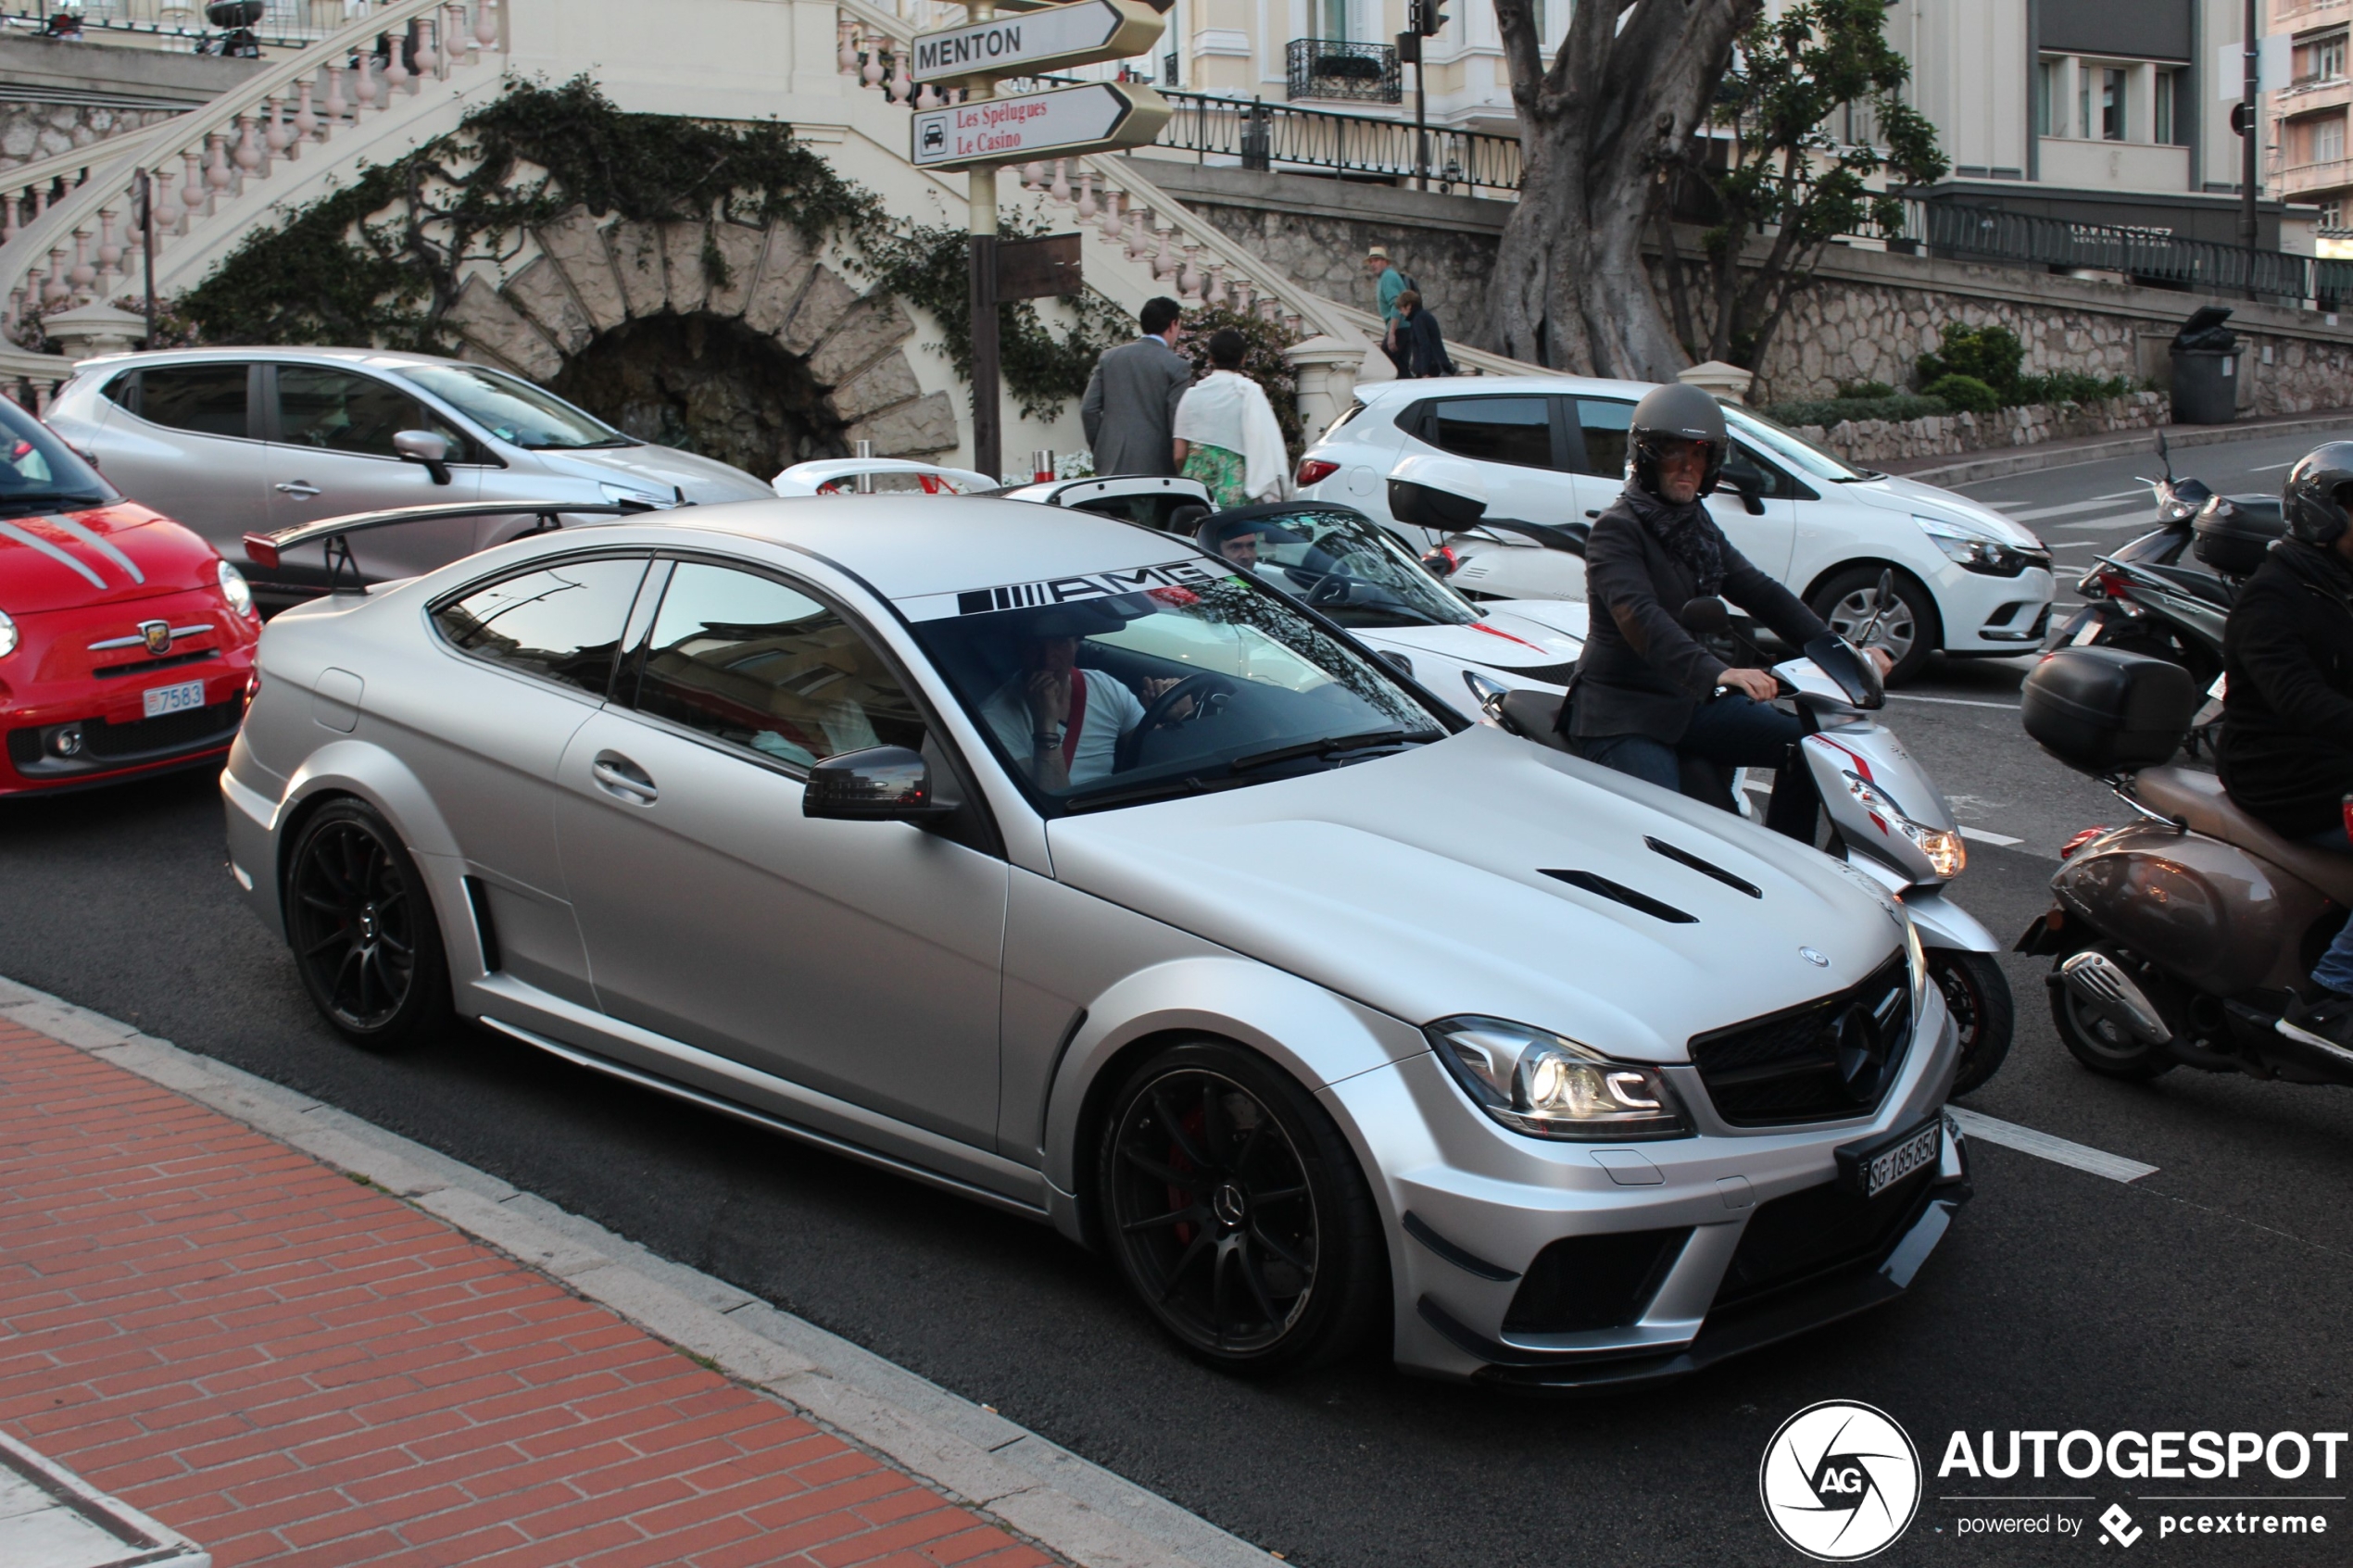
(882, 784)
(1705, 616)
(1442, 562)
(425, 448)
(1398, 663)
(1750, 486)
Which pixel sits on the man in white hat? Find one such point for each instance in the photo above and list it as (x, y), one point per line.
(1390, 283)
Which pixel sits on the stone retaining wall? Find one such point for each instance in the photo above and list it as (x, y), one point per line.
(29, 132)
(1943, 435)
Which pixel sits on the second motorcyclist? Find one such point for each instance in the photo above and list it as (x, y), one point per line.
(1649, 697)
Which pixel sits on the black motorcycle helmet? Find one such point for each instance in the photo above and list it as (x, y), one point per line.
(2313, 500)
(1676, 412)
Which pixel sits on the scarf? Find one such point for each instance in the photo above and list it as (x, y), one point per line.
(1230, 411)
(1687, 532)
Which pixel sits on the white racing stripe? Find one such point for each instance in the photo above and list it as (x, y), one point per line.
(2043, 1146)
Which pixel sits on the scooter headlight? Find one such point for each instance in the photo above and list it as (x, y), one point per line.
(1537, 1082)
(1947, 857)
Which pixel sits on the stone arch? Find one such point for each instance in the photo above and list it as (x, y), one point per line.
(594, 278)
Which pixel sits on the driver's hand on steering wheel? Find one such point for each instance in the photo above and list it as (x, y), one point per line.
(1758, 684)
(1155, 687)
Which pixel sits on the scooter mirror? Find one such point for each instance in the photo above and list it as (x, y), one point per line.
(1856, 673)
(1706, 615)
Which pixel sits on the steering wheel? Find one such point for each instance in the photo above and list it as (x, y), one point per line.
(1198, 686)
(1338, 584)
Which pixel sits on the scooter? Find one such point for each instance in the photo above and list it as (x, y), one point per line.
(1885, 817)
(2179, 938)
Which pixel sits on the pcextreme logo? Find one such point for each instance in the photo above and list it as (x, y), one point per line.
(1841, 1481)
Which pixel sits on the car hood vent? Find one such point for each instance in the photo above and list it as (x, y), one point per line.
(1601, 886)
(1685, 858)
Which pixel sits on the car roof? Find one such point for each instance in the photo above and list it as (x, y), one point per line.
(1499, 386)
(911, 546)
(384, 359)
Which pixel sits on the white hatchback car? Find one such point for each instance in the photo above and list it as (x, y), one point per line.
(1552, 449)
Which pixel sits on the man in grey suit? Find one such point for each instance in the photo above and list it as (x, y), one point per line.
(1129, 413)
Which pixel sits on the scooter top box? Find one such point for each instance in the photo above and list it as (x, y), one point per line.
(2102, 710)
(2233, 532)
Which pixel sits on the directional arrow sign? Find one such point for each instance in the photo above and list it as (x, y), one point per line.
(1048, 39)
(1099, 117)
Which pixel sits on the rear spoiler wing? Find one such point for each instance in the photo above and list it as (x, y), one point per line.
(266, 550)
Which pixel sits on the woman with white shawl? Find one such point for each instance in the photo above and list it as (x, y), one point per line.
(1226, 434)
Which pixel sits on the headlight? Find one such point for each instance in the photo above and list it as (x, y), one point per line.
(1946, 856)
(7, 635)
(1975, 549)
(1533, 1081)
(234, 588)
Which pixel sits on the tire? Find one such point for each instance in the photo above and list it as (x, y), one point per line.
(1978, 994)
(2099, 1045)
(1910, 631)
(1238, 1214)
(363, 928)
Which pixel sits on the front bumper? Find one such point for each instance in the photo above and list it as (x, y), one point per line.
(1534, 1265)
(1987, 614)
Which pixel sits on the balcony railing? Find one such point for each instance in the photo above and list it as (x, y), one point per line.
(1984, 233)
(1332, 68)
(2328, 174)
(1272, 136)
(178, 23)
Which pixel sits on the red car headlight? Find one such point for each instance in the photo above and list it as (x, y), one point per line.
(7, 635)
(234, 589)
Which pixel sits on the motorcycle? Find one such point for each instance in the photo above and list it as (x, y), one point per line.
(2179, 938)
(1885, 817)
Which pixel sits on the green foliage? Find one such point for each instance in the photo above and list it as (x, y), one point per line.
(2072, 386)
(1829, 411)
(929, 265)
(1264, 361)
(1967, 395)
(1991, 354)
(1865, 389)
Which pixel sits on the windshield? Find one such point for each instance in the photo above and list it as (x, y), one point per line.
(1130, 685)
(1343, 563)
(512, 409)
(41, 472)
(1791, 447)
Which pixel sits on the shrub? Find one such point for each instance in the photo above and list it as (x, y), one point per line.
(1829, 411)
(1863, 389)
(1965, 394)
(1988, 355)
(2072, 386)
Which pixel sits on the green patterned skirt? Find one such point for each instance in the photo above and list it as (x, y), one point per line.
(1220, 471)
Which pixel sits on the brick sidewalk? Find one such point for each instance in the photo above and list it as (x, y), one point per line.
(285, 1364)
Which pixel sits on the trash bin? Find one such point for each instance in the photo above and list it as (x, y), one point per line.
(2205, 355)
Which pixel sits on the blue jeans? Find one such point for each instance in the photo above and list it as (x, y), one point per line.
(1732, 731)
(2335, 968)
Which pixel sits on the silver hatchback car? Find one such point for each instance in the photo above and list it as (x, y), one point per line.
(236, 441)
(1059, 864)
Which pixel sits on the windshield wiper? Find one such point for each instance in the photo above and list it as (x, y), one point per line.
(50, 498)
(1127, 795)
(1328, 746)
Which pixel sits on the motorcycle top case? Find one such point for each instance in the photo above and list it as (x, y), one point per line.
(2101, 709)
(2232, 531)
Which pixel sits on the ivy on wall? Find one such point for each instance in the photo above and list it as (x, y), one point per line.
(381, 261)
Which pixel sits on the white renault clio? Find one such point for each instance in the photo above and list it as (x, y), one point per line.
(1552, 449)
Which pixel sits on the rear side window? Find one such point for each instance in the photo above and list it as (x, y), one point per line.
(203, 399)
(562, 623)
(1493, 430)
(1604, 422)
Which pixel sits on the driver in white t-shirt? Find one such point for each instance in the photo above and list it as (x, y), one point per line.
(1062, 723)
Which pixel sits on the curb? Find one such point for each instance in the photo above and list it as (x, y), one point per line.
(1033, 1487)
(2032, 459)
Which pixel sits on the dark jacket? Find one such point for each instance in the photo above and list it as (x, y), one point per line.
(1130, 412)
(2286, 754)
(1642, 673)
(1422, 347)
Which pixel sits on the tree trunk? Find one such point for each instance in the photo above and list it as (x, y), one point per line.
(1617, 105)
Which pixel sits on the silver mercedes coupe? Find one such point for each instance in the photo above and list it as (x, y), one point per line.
(1053, 863)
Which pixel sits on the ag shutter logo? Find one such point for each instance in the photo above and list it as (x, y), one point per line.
(2117, 1525)
(1841, 1481)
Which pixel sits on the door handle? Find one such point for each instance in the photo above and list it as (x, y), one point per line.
(300, 489)
(619, 777)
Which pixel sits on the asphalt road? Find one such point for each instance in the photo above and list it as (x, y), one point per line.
(2209, 1295)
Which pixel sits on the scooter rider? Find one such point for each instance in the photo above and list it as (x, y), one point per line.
(1642, 702)
(2286, 751)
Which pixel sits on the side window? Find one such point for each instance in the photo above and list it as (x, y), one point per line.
(206, 400)
(1745, 467)
(1605, 421)
(561, 623)
(750, 661)
(338, 411)
(1494, 430)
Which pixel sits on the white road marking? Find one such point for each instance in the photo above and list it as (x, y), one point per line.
(1951, 701)
(1982, 836)
(2267, 468)
(2095, 504)
(2114, 520)
(2043, 1146)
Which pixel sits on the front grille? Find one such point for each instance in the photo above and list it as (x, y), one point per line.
(141, 740)
(1815, 1232)
(149, 665)
(1819, 1063)
(1593, 1280)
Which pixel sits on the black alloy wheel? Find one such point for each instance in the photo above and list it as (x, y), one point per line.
(1238, 1213)
(363, 932)
(1978, 995)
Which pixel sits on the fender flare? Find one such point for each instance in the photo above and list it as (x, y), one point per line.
(368, 772)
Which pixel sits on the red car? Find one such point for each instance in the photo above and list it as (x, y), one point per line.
(126, 642)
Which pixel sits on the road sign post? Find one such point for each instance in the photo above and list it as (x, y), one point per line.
(985, 132)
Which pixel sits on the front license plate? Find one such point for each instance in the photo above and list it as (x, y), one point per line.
(161, 700)
(1870, 1169)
